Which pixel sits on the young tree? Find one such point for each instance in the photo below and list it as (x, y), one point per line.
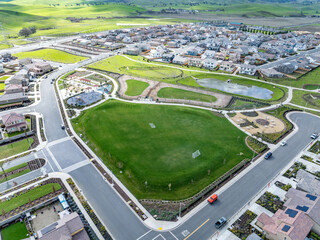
(33, 29)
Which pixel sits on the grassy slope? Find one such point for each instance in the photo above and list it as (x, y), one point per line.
(183, 94)
(135, 87)
(51, 55)
(15, 231)
(14, 148)
(297, 99)
(162, 155)
(23, 199)
(4, 77)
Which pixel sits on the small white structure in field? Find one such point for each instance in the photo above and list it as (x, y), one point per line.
(196, 154)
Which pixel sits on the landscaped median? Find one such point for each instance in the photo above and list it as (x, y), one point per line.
(160, 164)
(51, 55)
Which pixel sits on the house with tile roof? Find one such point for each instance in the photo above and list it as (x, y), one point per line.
(14, 122)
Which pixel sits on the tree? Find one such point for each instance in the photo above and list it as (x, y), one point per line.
(25, 32)
(33, 29)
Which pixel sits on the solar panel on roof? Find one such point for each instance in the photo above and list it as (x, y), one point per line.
(292, 213)
(311, 197)
(302, 208)
(286, 228)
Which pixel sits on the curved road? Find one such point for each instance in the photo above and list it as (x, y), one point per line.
(64, 156)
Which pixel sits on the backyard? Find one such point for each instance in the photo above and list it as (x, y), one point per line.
(135, 88)
(160, 165)
(16, 231)
(175, 93)
(15, 148)
(51, 55)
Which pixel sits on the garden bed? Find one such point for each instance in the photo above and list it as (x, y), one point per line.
(283, 186)
(270, 201)
(256, 145)
(241, 227)
(292, 171)
(315, 148)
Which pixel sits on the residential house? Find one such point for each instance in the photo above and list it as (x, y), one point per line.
(208, 54)
(180, 60)
(156, 54)
(227, 67)
(14, 88)
(305, 202)
(13, 98)
(167, 57)
(271, 73)
(220, 56)
(1, 68)
(195, 62)
(70, 227)
(248, 69)
(234, 57)
(18, 78)
(25, 61)
(14, 122)
(195, 51)
(133, 51)
(39, 68)
(287, 68)
(289, 224)
(210, 63)
(173, 44)
(308, 182)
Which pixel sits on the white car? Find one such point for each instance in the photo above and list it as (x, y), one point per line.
(283, 143)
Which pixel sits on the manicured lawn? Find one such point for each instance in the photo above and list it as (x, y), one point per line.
(183, 94)
(135, 87)
(126, 141)
(23, 199)
(15, 148)
(306, 99)
(16, 231)
(5, 46)
(2, 86)
(16, 174)
(14, 168)
(51, 55)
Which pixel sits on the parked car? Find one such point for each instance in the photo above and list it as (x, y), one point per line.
(62, 127)
(213, 198)
(314, 136)
(222, 221)
(268, 155)
(284, 143)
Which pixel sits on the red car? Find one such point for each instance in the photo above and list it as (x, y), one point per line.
(213, 198)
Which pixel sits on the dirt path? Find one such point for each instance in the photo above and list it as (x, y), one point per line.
(154, 87)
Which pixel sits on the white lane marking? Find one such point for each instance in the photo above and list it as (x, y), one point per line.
(158, 236)
(54, 159)
(76, 166)
(47, 160)
(144, 235)
(174, 235)
(58, 141)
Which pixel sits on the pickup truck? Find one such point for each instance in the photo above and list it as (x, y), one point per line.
(213, 198)
(222, 221)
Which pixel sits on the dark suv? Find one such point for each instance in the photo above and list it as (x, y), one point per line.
(222, 221)
(268, 155)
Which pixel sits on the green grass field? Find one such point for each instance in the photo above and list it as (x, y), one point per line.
(2, 86)
(23, 199)
(166, 73)
(183, 94)
(162, 155)
(122, 65)
(16, 231)
(51, 55)
(306, 99)
(135, 87)
(15, 148)
(4, 78)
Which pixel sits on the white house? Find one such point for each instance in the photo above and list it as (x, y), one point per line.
(156, 54)
(209, 63)
(208, 54)
(1, 68)
(180, 60)
(247, 69)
